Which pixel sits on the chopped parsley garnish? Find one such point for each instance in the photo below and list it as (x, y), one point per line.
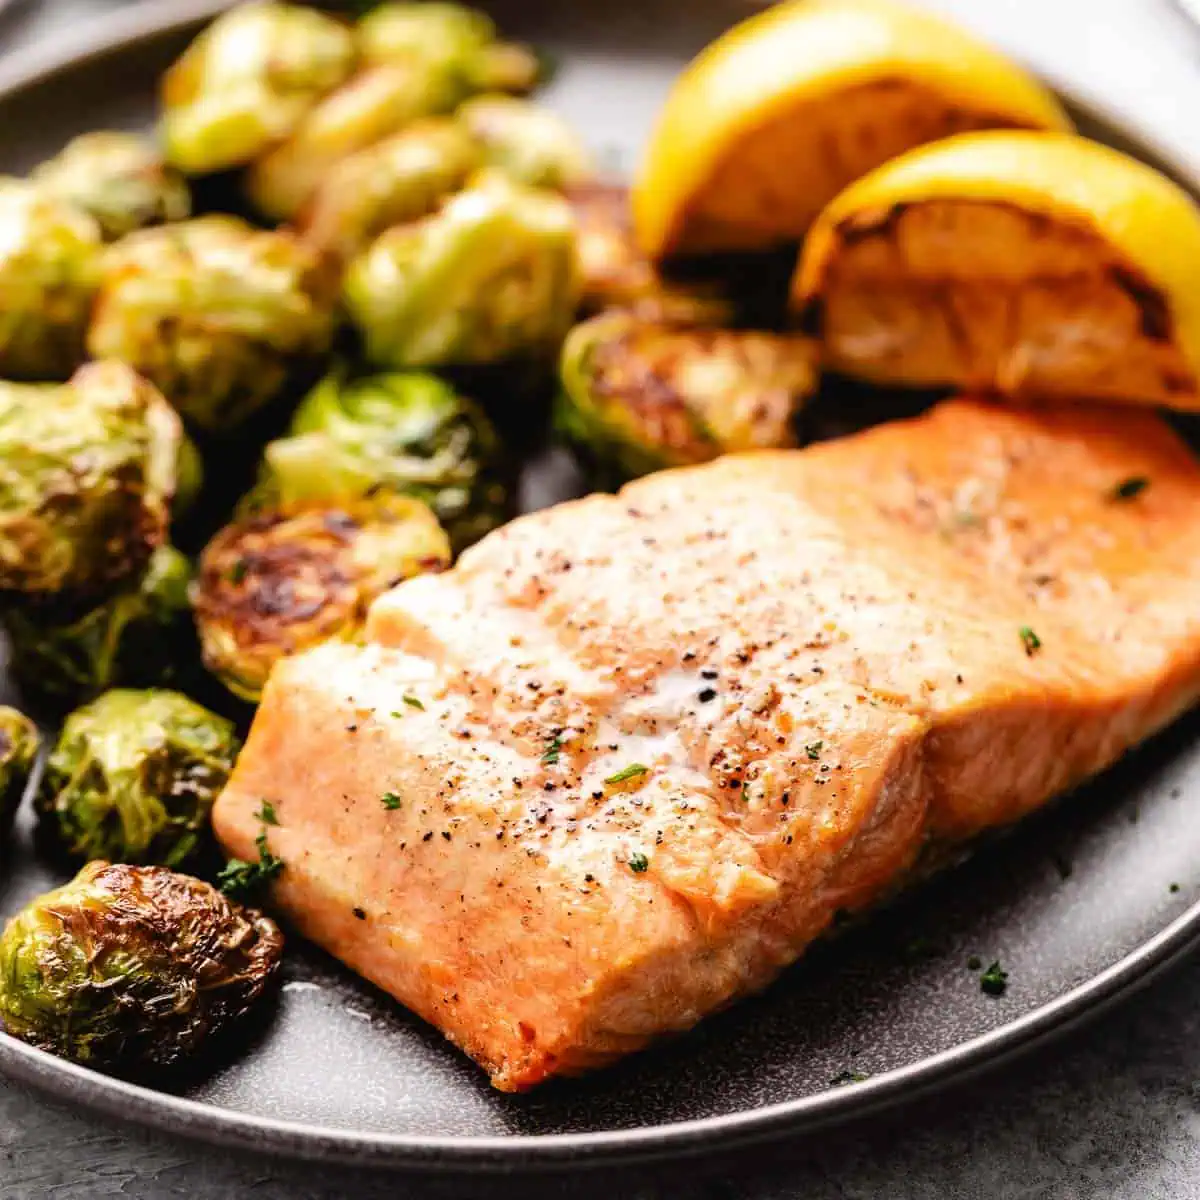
(238, 571)
(1029, 640)
(241, 880)
(267, 815)
(390, 800)
(553, 747)
(625, 774)
(638, 863)
(413, 702)
(844, 1077)
(994, 980)
(1135, 485)
(813, 750)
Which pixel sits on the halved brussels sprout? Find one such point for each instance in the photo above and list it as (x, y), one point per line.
(19, 742)
(132, 969)
(246, 82)
(133, 777)
(282, 580)
(507, 67)
(376, 102)
(526, 141)
(404, 431)
(117, 178)
(490, 276)
(136, 638)
(49, 269)
(399, 179)
(639, 396)
(461, 42)
(614, 272)
(87, 473)
(215, 312)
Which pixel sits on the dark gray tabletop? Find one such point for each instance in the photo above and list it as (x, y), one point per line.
(1113, 1111)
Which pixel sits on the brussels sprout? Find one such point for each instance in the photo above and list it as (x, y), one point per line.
(506, 67)
(448, 36)
(134, 638)
(526, 141)
(377, 102)
(489, 277)
(247, 81)
(49, 268)
(119, 180)
(133, 776)
(214, 312)
(399, 179)
(19, 742)
(638, 396)
(615, 273)
(405, 431)
(87, 472)
(283, 580)
(132, 969)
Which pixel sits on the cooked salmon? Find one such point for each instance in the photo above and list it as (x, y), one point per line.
(629, 758)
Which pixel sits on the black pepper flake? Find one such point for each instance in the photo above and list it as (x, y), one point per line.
(706, 695)
(709, 673)
(351, 728)
(445, 835)
(360, 914)
(1127, 489)
(428, 836)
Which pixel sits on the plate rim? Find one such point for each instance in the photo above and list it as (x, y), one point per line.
(150, 20)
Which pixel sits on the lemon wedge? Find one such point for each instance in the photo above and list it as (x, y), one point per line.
(1024, 264)
(778, 115)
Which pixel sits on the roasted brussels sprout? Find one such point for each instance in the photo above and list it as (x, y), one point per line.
(399, 179)
(138, 637)
(526, 141)
(87, 473)
(490, 276)
(49, 268)
(213, 311)
(120, 180)
(247, 81)
(373, 104)
(638, 396)
(615, 274)
(282, 580)
(404, 431)
(132, 969)
(19, 741)
(507, 67)
(133, 777)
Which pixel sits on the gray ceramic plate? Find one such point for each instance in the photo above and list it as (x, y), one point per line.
(1080, 905)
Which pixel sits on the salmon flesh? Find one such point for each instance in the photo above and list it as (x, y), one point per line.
(630, 757)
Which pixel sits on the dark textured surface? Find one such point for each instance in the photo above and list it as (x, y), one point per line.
(1111, 1113)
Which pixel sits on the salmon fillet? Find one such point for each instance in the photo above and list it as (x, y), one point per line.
(633, 754)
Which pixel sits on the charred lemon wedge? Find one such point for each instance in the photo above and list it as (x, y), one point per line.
(777, 116)
(1026, 265)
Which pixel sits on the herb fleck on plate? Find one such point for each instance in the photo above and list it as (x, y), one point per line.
(625, 774)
